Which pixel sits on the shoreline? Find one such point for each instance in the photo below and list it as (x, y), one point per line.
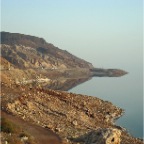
(100, 72)
(66, 114)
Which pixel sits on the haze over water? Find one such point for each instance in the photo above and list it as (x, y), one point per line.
(125, 92)
(107, 33)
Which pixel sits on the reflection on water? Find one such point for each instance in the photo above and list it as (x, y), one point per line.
(64, 84)
(125, 92)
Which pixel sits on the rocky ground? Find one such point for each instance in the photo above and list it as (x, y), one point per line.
(66, 114)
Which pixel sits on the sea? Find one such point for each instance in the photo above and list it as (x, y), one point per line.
(125, 92)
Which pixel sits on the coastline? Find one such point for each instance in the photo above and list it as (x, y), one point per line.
(100, 72)
(31, 68)
(68, 115)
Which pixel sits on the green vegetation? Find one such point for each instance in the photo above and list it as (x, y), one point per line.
(14, 133)
(23, 134)
(7, 126)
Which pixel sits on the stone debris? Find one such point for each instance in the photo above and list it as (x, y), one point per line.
(101, 136)
(75, 123)
(68, 115)
(52, 109)
(24, 138)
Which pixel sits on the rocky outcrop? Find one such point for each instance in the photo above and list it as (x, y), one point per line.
(69, 115)
(101, 136)
(99, 72)
(26, 51)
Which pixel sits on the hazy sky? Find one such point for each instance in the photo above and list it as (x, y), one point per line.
(107, 33)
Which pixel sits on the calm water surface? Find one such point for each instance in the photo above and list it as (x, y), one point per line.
(125, 92)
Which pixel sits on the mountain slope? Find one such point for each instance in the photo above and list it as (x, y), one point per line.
(26, 51)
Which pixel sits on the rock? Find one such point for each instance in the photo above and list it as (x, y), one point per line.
(30, 105)
(57, 129)
(101, 136)
(17, 109)
(84, 103)
(75, 123)
(24, 138)
(50, 126)
(23, 117)
(38, 122)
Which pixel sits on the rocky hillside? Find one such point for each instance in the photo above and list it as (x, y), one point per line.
(68, 115)
(24, 51)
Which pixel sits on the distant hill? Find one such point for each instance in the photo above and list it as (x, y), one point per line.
(25, 51)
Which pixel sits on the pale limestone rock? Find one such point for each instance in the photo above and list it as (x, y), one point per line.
(101, 136)
(24, 138)
(30, 105)
(57, 129)
(75, 123)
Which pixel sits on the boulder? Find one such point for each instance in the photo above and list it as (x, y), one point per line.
(100, 136)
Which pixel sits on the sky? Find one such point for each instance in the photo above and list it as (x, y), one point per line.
(107, 33)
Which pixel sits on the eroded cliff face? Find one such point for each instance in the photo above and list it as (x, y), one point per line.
(25, 51)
